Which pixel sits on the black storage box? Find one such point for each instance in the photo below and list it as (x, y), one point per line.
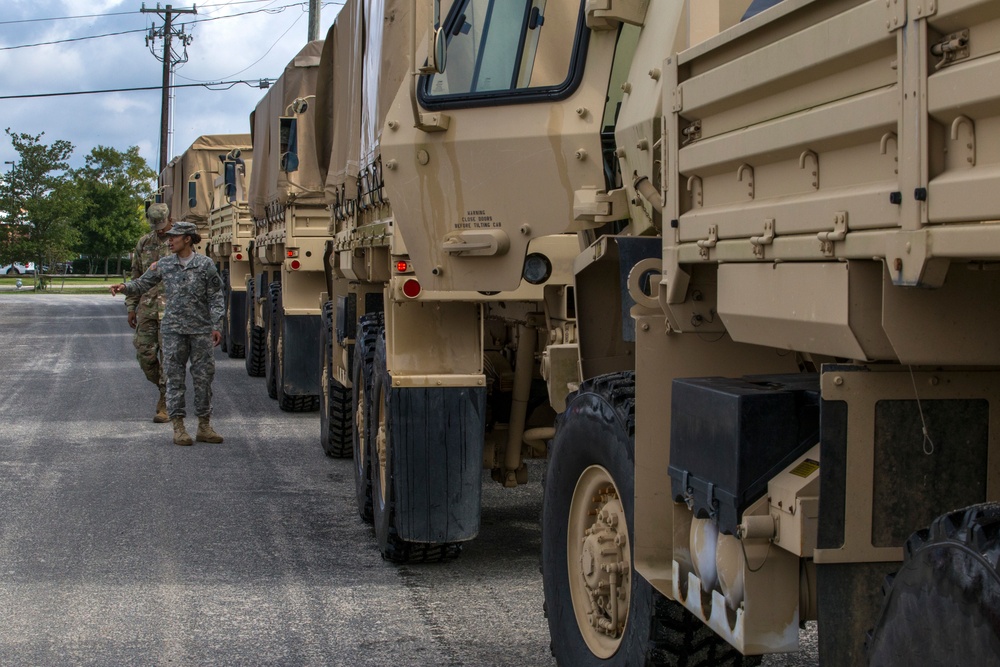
(728, 437)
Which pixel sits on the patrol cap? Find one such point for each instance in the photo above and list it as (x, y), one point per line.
(183, 228)
(158, 215)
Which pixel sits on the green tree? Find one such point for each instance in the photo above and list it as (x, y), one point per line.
(36, 202)
(111, 188)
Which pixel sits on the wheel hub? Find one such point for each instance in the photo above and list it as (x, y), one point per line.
(599, 561)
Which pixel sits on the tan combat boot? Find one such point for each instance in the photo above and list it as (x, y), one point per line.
(181, 436)
(205, 431)
(161, 416)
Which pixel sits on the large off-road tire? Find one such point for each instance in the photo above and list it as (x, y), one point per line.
(943, 606)
(384, 492)
(335, 400)
(369, 327)
(587, 523)
(255, 351)
(271, 325)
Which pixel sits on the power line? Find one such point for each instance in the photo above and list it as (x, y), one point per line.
(261, 83)
(70, 39)
(269, 10)
(95, 16)
(269, 49)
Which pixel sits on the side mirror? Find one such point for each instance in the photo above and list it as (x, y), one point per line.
(229, 177)
(439, 56)
(288, 143)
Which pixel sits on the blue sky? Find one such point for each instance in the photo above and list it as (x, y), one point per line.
(228, 47)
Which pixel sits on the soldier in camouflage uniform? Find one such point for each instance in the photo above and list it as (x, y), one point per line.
(146, 310)
(191, 325)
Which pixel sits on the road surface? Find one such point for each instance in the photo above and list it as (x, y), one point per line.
(119, 548)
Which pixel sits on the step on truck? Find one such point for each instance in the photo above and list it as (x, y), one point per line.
(282, 325)
(784, 405)
(207, 184)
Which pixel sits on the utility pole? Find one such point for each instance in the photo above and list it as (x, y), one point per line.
(169, 60)
(314, 12)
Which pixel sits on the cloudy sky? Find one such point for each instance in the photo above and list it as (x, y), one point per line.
(232, 40)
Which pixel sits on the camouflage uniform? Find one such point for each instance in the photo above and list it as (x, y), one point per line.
(194, 308)
(148, 309)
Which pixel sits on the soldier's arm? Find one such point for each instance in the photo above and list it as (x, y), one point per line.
(132, 300)
(143, 283)
(216, 300)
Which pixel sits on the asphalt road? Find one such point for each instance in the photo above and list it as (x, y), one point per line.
(119, 548)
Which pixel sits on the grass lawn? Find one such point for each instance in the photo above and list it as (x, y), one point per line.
(68, 284)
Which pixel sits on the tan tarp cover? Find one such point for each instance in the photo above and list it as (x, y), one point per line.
(358, 82)
(201, 158)
(268, 184)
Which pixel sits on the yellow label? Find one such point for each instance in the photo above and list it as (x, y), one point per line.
(805, 468)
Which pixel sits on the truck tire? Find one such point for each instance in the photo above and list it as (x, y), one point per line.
(335, 401)
(271, 323)
(369, 327)
(588, 501)
(384, 498)
(943, 606)
(254, 354)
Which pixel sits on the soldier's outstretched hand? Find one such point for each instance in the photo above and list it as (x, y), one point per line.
(117, 289)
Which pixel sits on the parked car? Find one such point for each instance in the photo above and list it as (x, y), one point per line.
(17, 268)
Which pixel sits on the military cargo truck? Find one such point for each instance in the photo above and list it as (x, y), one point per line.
(783, 312)
(207, 185)
(813, 390)
(290, 226)
(433, 368)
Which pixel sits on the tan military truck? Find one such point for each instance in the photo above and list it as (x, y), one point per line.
(784, 311)
(426, 383)
(207, 185)
(290, 227)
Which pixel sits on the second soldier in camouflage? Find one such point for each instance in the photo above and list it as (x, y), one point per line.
(145, 310)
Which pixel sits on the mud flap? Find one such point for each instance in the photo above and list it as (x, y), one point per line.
(437, 435)
(237, 316)
(301, 372)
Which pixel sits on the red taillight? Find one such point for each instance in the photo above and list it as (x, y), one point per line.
(402, 267)
(295, 265)
(411, 288)
(239, 256)
(294, 252)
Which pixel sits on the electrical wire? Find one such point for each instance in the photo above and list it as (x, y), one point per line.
(269, 10)
(261, 83)
(294, 23)
(107, 14)
(70, 39)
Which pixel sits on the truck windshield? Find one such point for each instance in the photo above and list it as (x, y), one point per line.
(498, 48)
